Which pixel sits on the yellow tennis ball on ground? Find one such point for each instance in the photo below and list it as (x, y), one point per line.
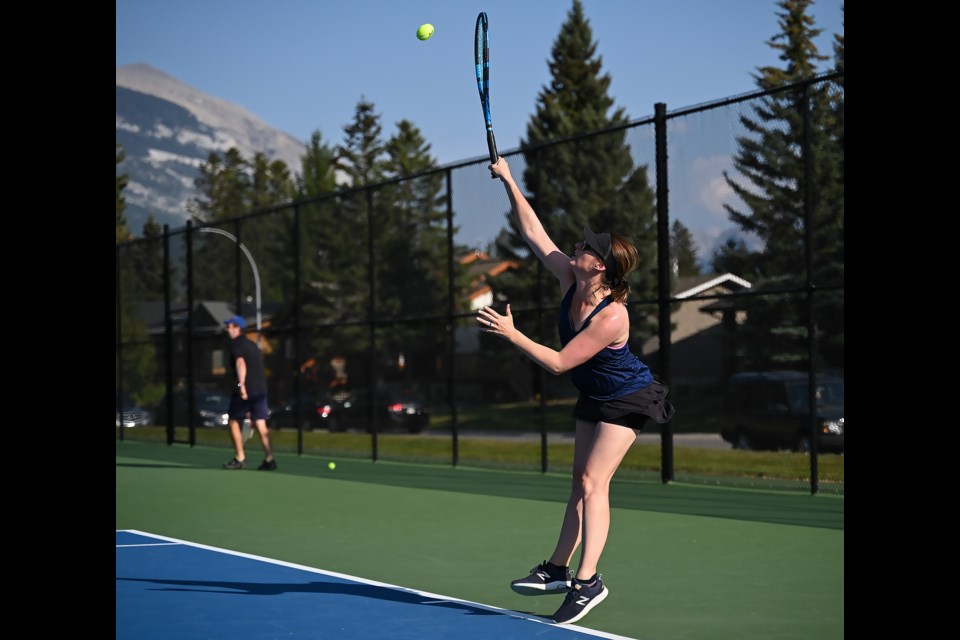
(425, 31)
(332, 465)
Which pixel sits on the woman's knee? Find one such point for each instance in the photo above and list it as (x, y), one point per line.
(584, 484)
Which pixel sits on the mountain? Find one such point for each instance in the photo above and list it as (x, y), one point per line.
(167, 129)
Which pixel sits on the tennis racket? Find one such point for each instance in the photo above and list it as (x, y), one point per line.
(481, 50)
(246, 429)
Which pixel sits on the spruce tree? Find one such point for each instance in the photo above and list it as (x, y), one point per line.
(229, 187)
(317, 175)
(411, 246)
(123, 233)
(683, 250)
(336, 253)
(770, 180)
(592, 181)
(317, 217)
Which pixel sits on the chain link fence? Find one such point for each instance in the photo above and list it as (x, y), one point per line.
(363, 303)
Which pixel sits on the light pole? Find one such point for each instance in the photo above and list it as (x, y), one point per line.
(253, 265)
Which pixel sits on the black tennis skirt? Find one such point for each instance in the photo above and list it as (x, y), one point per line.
(629, 411)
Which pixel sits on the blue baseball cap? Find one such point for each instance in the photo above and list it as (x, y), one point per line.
(237, 320)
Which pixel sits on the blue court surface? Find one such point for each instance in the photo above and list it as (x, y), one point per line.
(169, 588)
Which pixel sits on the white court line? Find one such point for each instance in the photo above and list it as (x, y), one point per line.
(149, 544)
(344, 576)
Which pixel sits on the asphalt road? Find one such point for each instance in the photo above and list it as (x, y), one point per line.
(692, 440)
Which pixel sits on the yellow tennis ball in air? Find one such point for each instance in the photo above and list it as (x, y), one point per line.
(425, 31)
(332, 465)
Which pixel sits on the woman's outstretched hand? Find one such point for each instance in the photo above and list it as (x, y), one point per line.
(492, 322)
(501, 169)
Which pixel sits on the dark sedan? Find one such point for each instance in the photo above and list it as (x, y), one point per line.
(211, 407)
(314, 413)
(396, 407)
(130, 414)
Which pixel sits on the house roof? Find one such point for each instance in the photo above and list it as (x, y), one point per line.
(479, 266)
(208, 315)
(689, 286)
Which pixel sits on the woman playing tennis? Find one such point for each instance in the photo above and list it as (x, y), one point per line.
(618, 392)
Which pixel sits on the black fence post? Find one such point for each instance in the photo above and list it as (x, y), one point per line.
(119, 301)
(451, 326)
(191, 393)
(297, 304)
(168, 332)
(663, 280)
(372, 350)
(808, 195)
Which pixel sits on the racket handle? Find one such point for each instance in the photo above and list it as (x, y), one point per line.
(492, 147)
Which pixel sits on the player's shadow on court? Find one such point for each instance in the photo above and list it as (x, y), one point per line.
(341, 588)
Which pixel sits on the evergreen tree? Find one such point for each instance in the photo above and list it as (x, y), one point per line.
(362, 158)
(733, 256)
(123, 234)
(141, 281)
(683, 250)
(336, 238)
(318, 176)
(412, 250)
(362, 154)
(223, 185)
(317, 221)
(230, 187)
(593, 181)
(268, 237)
(412, 231)
(771, 183)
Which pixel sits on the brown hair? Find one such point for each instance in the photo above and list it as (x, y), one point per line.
(625, 253)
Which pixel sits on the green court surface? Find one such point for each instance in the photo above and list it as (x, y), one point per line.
(682, 562)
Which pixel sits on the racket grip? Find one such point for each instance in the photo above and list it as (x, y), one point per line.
(492, 147)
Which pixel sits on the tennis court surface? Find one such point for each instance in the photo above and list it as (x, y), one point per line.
(169, 588)
(400, 550)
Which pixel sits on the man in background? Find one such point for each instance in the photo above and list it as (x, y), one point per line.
(250, 396)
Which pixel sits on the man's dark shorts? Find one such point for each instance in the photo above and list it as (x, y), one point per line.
(254, 406)
(630, 411)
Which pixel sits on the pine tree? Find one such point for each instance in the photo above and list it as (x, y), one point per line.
(336, 252)
(317, 176)
(123, 234)
(683, 250)
(317, 220)
(412, 230)
(733, 256)
(771, 183)
(592, 181)
(223, 185)
(411, 248)
(361, 156)
(230, 187)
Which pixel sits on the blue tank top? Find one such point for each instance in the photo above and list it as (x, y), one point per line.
(612, 373)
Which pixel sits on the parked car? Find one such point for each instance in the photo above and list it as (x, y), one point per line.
(315, 413)
(770, 410)
(130, 414)
(211, 406)
(396, 407)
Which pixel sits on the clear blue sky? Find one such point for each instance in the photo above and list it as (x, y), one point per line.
(303, 65)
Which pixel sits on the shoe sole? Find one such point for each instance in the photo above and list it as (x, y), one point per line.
(540, 589)
(590, 605)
